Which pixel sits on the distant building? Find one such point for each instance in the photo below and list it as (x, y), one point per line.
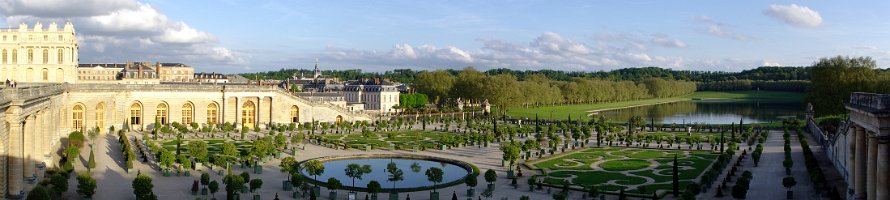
(376, 95)
(315, 83)
(139, 73)
(175, 72)
(210, 78)
(99, 73)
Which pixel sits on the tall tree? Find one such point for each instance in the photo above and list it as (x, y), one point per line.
(834, 79)
(437, 84)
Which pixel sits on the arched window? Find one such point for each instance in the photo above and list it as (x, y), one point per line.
(15, 56)
(28, 74)
(60, 56)
(45, 56)
(161, 116)
(338, 120)
(4, 56)
(294, 114)
(78, 117)
(187, 113)
(45, 73)
(248, 115)
(135, 114)
(212, 111)
(30, 55)
(60, 75)
(100, 115)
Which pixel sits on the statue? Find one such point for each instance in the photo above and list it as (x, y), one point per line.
(486, 107)
(460, 104)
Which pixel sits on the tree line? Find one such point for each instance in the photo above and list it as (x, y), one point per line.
(742, 85)
(537, 89)
(631, 74)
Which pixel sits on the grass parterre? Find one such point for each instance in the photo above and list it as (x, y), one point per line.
(636, 170)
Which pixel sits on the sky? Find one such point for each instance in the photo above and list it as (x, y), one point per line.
(260, 35)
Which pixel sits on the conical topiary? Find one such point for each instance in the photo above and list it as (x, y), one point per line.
(92, 162)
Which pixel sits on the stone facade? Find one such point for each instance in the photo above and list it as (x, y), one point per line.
(376, 96)
(35, 118)
(860, 150)
(38, 54)
(175, 72)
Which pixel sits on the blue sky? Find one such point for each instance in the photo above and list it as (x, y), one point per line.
(238, 36)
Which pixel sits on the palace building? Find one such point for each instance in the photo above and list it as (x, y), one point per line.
(38, 54)
(57, 96)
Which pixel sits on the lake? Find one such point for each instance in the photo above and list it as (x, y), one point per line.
(710, 111)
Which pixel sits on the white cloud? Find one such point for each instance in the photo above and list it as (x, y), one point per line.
(549, 50)
(121, 30)
(664, 41)
(795, 15)
(61, 9)
(718, 29)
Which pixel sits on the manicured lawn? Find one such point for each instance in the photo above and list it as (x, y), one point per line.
(579, 110)
(632, 169)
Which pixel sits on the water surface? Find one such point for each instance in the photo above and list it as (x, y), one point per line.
(710, 111)
(412, 178)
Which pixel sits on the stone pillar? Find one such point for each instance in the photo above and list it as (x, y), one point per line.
(238, 113)
(46, 136)
(860, 189)
(30, 132)
(872, 173)
(258, 117)
(14, 160)
(883, 184)
(851, 161)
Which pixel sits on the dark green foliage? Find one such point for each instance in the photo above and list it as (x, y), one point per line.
(256, 184)
(142, 187)
(416, 100)
(86, 185)
(233, 183)
(835, 78)
(38, 193)
(214, 187)
(490, 176)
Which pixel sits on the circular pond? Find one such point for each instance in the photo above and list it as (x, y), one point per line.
(413, 171)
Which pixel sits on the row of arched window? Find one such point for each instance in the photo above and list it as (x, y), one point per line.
(30, 74)
(248, 114)
(60, 52)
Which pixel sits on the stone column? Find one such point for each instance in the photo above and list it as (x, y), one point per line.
(258, 117)
(46, 136)
(860, 190)
(851, 160)
(883, 188)
(14, 160)
(30, 131)
(238, 113)
(872, 173)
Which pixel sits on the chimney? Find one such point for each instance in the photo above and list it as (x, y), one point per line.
(140, 71)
